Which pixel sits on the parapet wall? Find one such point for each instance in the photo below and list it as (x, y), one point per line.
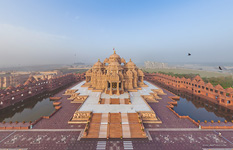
(33, 87)
(196, 86)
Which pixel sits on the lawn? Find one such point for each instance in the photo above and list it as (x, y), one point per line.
(207, 74)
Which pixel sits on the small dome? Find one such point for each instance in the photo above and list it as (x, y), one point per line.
(98, 64)
(130, 64)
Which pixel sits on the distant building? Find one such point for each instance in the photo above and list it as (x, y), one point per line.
(152, 65)
(13, 79)
(47, 74)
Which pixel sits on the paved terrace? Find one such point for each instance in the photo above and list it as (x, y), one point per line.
(91, 103)
(172, 134)
(160, 140)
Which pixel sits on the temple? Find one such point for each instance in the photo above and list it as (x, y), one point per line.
(114, 76)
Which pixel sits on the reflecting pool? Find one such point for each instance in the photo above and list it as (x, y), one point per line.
(198, 108)
(30, 109)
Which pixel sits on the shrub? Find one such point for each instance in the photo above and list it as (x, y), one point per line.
(16, 122)
(23, 121)
(4, 122)
(198, 121)
(232, 121)
(212, 121)
(225, 121)
(10, 122)
(205, 121)
(219, 121)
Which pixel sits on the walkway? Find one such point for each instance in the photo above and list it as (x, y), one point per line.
(115, 125)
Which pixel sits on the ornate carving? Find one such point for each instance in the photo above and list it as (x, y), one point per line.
(114, 76)
(73, 96)
(80, 99)
(70, 91)
(81, 115)
(158, 91)
(148, 116)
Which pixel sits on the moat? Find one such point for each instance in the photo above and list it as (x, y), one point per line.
(198, 108)
(30, 109)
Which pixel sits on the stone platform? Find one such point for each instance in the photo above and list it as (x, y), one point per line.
(115, 125)
(174, 133)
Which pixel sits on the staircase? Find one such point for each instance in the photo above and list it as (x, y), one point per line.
(115, 125)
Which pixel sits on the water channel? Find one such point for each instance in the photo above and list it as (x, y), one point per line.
(30, 109)
(198, 108)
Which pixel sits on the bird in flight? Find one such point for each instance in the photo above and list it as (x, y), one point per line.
(189, 54)
(220, 68)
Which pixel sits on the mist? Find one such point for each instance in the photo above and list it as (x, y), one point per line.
(64, 32)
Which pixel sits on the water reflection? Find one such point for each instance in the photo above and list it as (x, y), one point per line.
(30, 109)
(198, 108)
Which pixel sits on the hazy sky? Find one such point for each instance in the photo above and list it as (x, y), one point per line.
(53, 31)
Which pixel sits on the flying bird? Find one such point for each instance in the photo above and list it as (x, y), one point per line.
(220, 68)
(189, 54)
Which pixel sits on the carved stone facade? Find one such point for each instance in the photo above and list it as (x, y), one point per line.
(80, 99)
(148, 117)
(114, 76)
(70, 92)
(81, 117)
(216, 94)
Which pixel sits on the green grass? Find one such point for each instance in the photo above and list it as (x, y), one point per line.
(188, 71)
(215, 78)
(225, 82)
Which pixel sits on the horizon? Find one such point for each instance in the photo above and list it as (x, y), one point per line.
(58, 32)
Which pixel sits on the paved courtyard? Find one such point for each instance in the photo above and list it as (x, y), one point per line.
(70, 140)
(172, 134)
(91, 103)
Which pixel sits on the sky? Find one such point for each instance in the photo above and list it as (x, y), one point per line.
(42, 32)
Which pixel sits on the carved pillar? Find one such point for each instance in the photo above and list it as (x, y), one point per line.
(135, 82)
(118, 92)
(106, 86)
(110, 88)
(122, 85)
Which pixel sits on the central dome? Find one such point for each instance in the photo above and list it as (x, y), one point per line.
(114, 57)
